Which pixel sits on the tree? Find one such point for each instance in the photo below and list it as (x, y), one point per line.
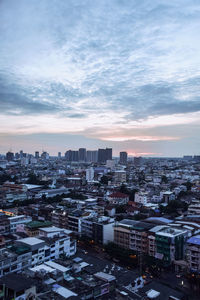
(164, 179)
(104, 179)
(188, 185)
(132, 194)
(123, 189)
(4, 177)
(120, 209)
(33, 179)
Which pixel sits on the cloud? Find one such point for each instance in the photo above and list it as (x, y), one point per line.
(115, 67)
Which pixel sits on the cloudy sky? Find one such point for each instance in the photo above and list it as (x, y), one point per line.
(94, 73)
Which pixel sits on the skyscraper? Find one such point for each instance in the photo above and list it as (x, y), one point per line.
(9, 156)
(71, 155)
(92, 156)
(45, 155)
(37, 154)
(82, 154)
(123, 157)
(108, 153)
(101, 155)
(104, 154)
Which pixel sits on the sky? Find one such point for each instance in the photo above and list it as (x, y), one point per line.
(89, 73)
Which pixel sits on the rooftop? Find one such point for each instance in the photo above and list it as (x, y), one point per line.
(52, 229)
(16, 282)
(194, 240)
(170, 232)
(37, 224)
(118, 195)
(105, 276)
(31, 241)
(57, 266)
(42, 267)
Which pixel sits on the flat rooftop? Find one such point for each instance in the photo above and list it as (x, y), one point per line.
(16, 282)
(42, 267)
(195, 240)
(51, 229)
(56, 266)
(170, 232)
(31, 241)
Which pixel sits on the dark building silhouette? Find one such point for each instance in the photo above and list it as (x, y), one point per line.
(9, 156)
(104, 154)
(82, 154)
(123, 157)
(37, 154)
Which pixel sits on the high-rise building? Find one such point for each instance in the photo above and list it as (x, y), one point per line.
(45, 155)
(104, 155)
(101, 155)
(17, 156)
(68, 155)
(37, 154)
(21, 153)
(9, 156)
(82, 154)
(197, 157)
(59, 154)
(71, 155)
(123, 157)
(92, 156)
(138, 161)
(75, 156)
(108, 153)
(90, 174)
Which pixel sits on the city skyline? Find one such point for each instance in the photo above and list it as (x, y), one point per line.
(96, 74)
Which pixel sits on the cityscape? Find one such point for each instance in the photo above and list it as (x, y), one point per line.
(85, 225)
(99, 150)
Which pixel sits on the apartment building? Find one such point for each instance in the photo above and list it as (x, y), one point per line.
(59, 218)
(170, 244)
(52, 242)
(17, 221)
(152, 239)
(101, 230)
(133, 235)
(194, 207)
(141, 197)
(193, 253)
(119, 177)
(14, 259)
(118, 198)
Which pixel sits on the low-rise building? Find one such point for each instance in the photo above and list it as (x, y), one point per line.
(52, 242)
(18, 220)
(132, 235)
(119, 177)
(141, 197)
(118, 198)
(193, 253)
(14, 259)
(170, 244)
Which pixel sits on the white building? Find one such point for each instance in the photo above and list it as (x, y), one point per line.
(90, 174)
(120, 176)
(141, 197)
(52, 242)
(193, 253)
(18, 220)
(110, 164)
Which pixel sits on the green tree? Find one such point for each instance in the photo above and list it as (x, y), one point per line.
(104, 179)
(164, 179)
